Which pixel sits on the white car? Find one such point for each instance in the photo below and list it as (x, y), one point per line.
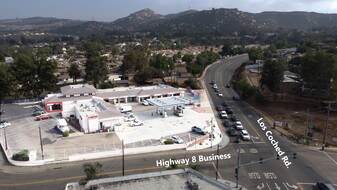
(245, 136)
(223, 115)
(136, 123)
(177, 139)
(238, 125)
(145, 103)
(130, 118)
(220, 94)
(4, 124)
(63, 128)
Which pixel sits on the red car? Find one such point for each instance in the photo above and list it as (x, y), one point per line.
(220, 108)
(43, 117)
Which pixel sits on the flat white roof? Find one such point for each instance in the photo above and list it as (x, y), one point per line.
(170, 101)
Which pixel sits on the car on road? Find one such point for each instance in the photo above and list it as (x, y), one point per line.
(244, 135)
(228, 86)
(212, 82)
(4, 124)
(216, 90)
(223, 115)
(236, 98)
(177, 139)
(220, 108)
(225, 104)
(238, 125)
(199, 130)
(232, 132)
(227, 123)
(43, 117)
(234, 118)
(136, 123)
(324, 186)
(215, 86)
(220, 94)
(229, 110)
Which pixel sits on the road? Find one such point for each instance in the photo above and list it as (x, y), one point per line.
(270, 174)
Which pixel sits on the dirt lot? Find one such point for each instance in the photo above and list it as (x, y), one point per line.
(293, 112)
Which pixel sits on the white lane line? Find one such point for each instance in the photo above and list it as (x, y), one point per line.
(285, 186)
(215, 169)
(268, 186)
(330, 157)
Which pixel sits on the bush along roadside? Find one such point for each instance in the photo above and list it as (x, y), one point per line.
(21, 156)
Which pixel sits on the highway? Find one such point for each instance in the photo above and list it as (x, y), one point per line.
(271, 174)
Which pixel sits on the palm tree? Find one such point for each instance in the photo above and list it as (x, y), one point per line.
(91, 170)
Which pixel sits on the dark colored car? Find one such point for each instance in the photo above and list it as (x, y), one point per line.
(199, 130)
(232, 132)
(225, 104)
(234, 118)
(229, 110)
(220, 108)
(216, 90)
(227, 123)
(212, 82)
(227, 86)
(324, 186)
(236, 98)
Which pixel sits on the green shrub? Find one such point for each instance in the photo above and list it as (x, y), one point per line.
(168, 141)
(21, 156)
(175, 84)
(195, 166)
(65, 134)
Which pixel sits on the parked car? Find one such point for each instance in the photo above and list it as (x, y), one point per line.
(130, 117)
(216, 90)
(136, 123)
(43, 117)
(220, 108)
(177, 139)
(212, 82)
(38, 112)
(324, 186)
(244, 135)
(145, 103)
(220, 94)
(238, 125)
(215, 86)
(223, 115)
(4, 124)
(232, 132)
(199, 130)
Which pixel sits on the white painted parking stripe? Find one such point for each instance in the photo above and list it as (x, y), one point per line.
(330, 157)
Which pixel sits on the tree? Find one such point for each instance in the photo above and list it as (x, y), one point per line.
(135, 60)
(74, 72)
(272, 74)
(255, 54)
(45, 77)
(91, 170)
(188, 58)
(226, 49)
(193, 69)
(6, 81)
(95, 67)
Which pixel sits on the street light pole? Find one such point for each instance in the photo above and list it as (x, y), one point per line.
(237, 168)
(326, 126)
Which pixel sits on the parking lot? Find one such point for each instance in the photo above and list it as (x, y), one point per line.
(24, 131)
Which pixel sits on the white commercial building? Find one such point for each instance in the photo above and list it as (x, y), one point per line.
(94, 108)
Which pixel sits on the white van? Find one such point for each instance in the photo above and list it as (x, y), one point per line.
(62, 125)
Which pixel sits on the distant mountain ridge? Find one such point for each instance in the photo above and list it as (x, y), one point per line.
(215, 21)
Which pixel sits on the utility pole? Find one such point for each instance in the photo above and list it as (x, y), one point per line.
(217, 164)
(237, 168)
(326, 126)
(42, 153)
(123, 157)
(6, 146)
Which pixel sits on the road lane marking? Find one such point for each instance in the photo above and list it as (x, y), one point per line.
(330, 157)
(285, 186)
(268, 186)
(216, 169)
(253, 150)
